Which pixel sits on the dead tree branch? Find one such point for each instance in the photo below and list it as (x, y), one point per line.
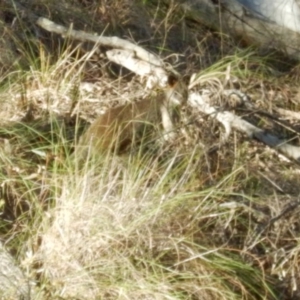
(230, 120)
(123, 52)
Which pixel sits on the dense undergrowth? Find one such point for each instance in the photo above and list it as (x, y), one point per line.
(191, 221)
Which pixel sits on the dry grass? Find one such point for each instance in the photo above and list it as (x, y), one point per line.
(135, 229)
(185, 223)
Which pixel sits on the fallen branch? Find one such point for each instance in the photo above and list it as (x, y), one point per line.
(230, 120)
(288, 113)
(126, 58)
(113, 42)
(122, 52)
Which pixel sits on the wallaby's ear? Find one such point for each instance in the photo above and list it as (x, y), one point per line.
(172, 80)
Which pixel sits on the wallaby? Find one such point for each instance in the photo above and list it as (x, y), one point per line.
(128, 124)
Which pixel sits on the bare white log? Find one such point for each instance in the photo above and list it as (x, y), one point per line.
(230, 120)
(288, 113)
(231, 17)
(113, 42)
(128, 59)
(122, 52)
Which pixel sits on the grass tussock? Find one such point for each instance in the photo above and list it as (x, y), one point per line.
(131, 229)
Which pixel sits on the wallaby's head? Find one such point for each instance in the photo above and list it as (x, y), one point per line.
(176, 91)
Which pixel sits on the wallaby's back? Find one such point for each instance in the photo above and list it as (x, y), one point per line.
(122, 126)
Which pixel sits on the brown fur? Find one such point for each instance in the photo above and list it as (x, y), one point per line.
(128, 124)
